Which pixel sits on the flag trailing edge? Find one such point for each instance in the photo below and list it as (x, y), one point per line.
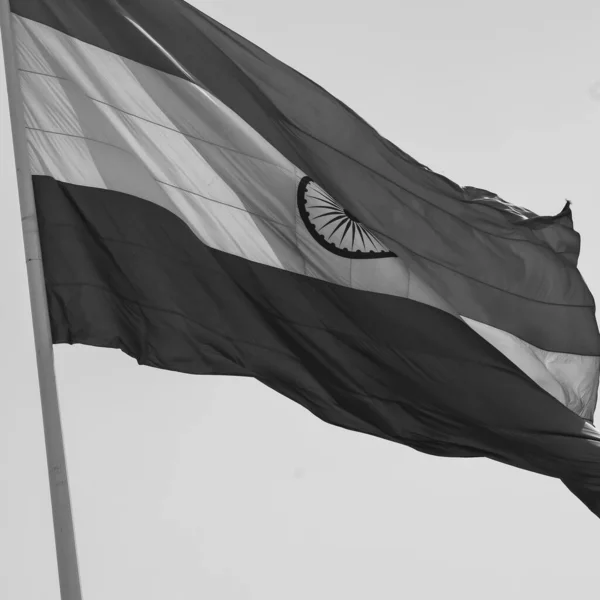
(207, 209)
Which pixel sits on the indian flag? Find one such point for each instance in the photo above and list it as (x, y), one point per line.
(207, 209)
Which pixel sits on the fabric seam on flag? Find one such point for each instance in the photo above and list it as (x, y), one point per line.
(179, 131)
(126, 151)
(254, 214)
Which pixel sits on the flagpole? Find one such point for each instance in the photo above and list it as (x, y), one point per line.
(64, 533)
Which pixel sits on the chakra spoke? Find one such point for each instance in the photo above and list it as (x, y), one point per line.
(338, 225)
(348, 224)
(360, 232)
(331, 212)
(334, 220)
(323, 199)
(325, 207)
(319, 190)
(373, 241)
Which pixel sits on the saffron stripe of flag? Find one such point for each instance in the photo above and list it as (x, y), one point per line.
(207, 209)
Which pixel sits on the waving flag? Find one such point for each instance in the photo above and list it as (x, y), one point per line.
(207, 209)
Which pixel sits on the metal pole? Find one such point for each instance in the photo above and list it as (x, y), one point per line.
(64, 533)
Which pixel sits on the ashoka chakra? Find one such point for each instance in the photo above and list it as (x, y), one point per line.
(334, 227)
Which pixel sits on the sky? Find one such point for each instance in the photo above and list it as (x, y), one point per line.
(188, 487)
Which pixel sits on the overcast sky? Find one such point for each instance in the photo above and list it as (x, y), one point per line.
(212, 487)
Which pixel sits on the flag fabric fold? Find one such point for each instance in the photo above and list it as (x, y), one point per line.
(207, 209)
